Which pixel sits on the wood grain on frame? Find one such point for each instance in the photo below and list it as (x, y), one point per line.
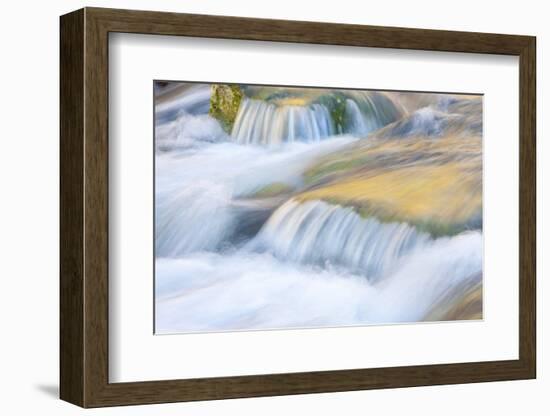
(84, 207)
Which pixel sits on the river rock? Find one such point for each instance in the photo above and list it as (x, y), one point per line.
(224, 104)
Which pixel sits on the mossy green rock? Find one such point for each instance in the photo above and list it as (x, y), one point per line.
(224, 104)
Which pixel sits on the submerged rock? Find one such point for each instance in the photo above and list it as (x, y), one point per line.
(422, 170)
(446, 117)
(465, 302)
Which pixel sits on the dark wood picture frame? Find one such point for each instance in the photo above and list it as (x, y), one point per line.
(84, 218)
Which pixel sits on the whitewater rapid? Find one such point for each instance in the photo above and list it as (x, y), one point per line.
(317, 232)
(197, 189)
(206, 291)
(229, 260)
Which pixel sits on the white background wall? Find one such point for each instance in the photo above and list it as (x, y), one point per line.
(29, 206)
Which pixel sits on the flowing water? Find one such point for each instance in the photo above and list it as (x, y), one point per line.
(259, 122)
(316, 232)
(230, 256)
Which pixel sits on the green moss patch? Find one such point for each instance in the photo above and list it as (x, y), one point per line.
(336, 104)
(224, 104)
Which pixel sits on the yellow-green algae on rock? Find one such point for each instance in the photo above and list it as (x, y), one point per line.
(432, 184)
(224, 104)
(464, 305)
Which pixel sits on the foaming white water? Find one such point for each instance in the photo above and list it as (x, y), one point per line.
(303, 264)
(195, 188)
(318, 232)
(195, 100)
(427, 121)
(206, 292)
(424, 122)
(423, 278)
(260, 122)
(212, 292)
(188, 130)
(191, 217)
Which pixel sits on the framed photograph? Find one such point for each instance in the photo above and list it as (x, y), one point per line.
(264, 207)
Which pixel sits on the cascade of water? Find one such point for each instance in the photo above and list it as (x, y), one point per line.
(357, 123)
(303, 264)
(260, 122)
(196, 189)
(247, 290)
(317, 232)
(358, 113)
(268, 123)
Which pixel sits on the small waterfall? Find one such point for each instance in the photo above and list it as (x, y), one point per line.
(198, 191)
(261, 122)
(368, 112)
(354, 112)
(357, 124)
(180, 110)
(231, 256)
(317, 232)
